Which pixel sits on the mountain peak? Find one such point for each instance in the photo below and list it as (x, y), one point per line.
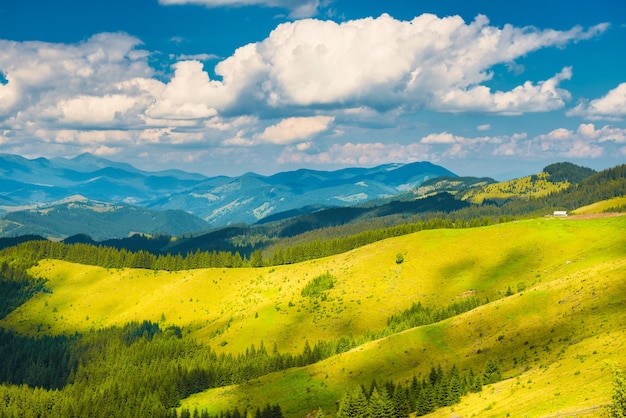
(219, 200)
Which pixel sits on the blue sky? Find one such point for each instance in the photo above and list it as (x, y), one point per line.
(484, 88)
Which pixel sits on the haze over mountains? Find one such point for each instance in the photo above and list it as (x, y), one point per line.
(91, 184)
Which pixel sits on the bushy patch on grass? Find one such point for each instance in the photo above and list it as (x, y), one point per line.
(318, 286)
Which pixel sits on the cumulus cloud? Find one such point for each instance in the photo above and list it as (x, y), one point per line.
(612, 106)
(9, 95)
(441, 138)
(93, 110)
(295, 129)
(189, 95)
(357, 154)
(587, 141)
(316, 77)
(371, 63)
(55, 80)
(298, 8)
(604, 134)
(84, 137)
(383, 62)
(544, 96)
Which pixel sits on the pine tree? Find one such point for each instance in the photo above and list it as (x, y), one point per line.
(426, 400)
(400, 401)
(353, 404)
(492, 372)
(380, 405)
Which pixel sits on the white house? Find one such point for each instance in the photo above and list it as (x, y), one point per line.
(560, 213)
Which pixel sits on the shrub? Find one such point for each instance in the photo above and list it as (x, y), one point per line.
(618, 407)
(319, 285)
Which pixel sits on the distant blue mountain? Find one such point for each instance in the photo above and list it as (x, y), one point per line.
(26, 183)
(99, 220)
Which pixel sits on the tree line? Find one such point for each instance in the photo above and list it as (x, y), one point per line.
(110, 257)
(420, 397)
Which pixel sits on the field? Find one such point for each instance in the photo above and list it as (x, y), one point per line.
(557, 289)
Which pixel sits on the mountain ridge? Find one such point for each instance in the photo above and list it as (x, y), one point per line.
(219, 200)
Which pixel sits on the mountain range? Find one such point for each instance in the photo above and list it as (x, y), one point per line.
(32, 187)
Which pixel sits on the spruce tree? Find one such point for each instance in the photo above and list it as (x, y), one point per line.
(379, 405)
(353, 404)
(492, 372)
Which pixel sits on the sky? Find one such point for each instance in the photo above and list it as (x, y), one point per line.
(225, 87)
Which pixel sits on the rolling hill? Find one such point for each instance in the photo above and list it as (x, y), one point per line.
(553, 179)
(554, 295)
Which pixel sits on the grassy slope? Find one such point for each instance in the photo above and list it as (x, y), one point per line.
(602, 206)
(523, 187)
(573, 272)
(558, 336)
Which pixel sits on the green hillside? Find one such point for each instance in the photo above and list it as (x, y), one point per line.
(554, 338)
(557, 290)
(525, 187)
(617, 204)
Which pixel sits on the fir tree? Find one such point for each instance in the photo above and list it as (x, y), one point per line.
(353, 404)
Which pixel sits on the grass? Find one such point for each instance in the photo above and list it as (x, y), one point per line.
(602, 206)
(525, 187)
(573, 279)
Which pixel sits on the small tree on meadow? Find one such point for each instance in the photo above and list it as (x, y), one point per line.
(618, 407)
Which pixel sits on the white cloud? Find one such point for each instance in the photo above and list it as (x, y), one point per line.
(612, 106)
(298, 8)
(604, 134)
(194, 57)
(226, 124)
(92, 110)
(585, 142)
(484, 127)
(42, 76)
(189, 95)
(528, 97)
(352, 154)
(9, 95)
(239, 140)
(84, 137)
(365, 72)
(295, 129)
(104, 151)
(383, 62)
(441, 138)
